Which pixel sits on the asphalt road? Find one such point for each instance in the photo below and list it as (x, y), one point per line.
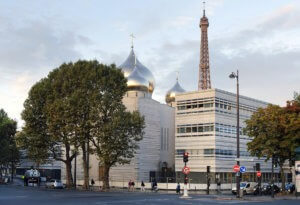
(16, 195)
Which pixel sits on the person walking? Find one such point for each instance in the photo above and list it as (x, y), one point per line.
(129, 185)
(132, 186)
(92, 183)
(178, 188)
(142, 186)
(219, 186)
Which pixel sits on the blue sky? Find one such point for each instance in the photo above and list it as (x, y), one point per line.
(260, 38)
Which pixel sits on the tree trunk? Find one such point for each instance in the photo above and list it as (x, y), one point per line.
(105, 178)
(85, 168)
(69, 182)
(68, 161)
(282, 177)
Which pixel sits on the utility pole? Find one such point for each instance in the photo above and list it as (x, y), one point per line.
(207, 179)
(233, 75)
(272, 180)
(75, 168)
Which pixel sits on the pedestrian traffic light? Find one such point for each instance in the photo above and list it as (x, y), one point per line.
(186, 157)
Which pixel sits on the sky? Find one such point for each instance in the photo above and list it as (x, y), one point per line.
(259, 38)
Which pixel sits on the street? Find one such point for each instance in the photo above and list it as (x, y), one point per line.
(15, 195)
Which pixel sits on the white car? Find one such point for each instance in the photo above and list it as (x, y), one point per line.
(55, 184)
(247, 187)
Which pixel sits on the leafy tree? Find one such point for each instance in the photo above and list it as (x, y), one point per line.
(39, 137)
(275, 133)
(115, 138)
(9, 153)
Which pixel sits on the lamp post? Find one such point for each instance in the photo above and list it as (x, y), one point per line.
(236, 76)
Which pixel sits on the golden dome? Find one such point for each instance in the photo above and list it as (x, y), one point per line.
(170, 96)
(136, 82)
(129, 65)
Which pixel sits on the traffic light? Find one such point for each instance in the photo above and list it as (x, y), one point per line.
(186, 157)
(208, 169)
(186, 180)
(257, 166)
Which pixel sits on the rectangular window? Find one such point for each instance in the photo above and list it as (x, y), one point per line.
(194, 129)
(208, 151)
(200, 129)
(188, 129)
(167, 138)
(217, 104)
(206, 129)
(161, 138)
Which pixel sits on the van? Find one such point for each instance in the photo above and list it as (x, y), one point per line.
(247, 187)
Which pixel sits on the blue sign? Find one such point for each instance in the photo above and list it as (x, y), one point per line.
(242, 169)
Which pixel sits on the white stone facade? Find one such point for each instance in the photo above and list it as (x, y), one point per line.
(156, 147)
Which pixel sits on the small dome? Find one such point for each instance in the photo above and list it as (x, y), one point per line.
(136, 82)
(170, 96)
(130, 63)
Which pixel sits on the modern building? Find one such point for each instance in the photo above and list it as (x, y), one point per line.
(205, 124)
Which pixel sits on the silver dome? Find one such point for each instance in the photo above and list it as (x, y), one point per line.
(170, 96)
(130, 63)
(136, 82)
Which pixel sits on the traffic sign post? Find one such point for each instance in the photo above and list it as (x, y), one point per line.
(258, 174)
(236, 168)
(242, 169)
(186, 170)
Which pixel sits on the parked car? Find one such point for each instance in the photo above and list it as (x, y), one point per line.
(55, 184)
(247, 187)
(290, 187)
(267, 189)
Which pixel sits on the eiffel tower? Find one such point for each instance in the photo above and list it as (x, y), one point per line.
(204, 72)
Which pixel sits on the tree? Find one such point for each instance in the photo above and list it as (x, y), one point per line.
(275, 133)
(42, 136)
(9, 153)
(115, 138)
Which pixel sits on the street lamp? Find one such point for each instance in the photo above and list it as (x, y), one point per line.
(236, 76)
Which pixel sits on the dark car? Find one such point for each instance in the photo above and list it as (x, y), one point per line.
(267, 189)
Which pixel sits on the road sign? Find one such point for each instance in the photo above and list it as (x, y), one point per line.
(186, 170)
(242, 169)
(236, 168)
(258, 174)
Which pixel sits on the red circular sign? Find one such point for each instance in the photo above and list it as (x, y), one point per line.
(186, 170)
(258, 174)
(236, 168)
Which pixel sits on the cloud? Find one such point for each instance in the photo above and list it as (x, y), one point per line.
(29, 50)
(268, 60)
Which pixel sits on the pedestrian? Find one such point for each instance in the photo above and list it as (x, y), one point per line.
(178, 188)
(154, 186)
(129, 185)
(142, 186)
(92, 183)
(132, 185)
(219, 186)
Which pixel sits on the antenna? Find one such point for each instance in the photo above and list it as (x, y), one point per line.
(203, 8)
